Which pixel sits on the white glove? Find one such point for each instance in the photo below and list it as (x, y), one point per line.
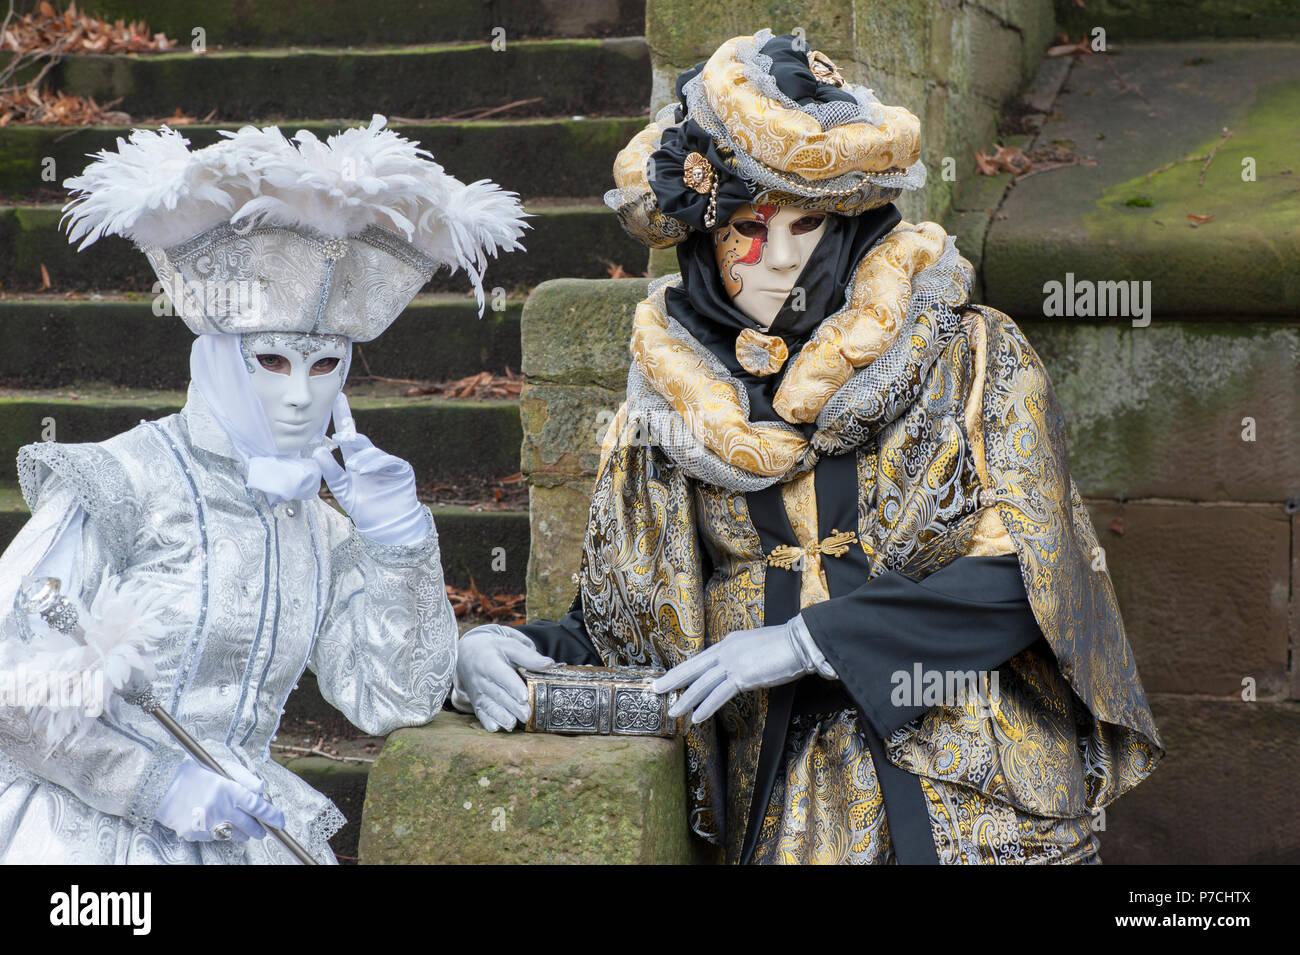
(486, 679)
(743, 660)
(199, 800)
(377, 489)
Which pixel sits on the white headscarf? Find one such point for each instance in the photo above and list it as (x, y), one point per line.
(218, 369)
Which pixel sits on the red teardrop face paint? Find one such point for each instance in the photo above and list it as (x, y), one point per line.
(741, 242)
(761, 252)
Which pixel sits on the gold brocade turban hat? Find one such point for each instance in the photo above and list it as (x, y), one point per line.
(769, 121)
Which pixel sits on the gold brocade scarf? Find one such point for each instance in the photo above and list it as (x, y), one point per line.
(708, 399)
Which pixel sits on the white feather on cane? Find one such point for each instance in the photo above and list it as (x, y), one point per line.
(122, 628)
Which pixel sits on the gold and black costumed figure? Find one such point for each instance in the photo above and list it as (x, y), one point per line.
(896, 473)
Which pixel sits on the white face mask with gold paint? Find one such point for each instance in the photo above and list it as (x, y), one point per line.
(761, 252)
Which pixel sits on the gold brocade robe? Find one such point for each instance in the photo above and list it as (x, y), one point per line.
(965, 457)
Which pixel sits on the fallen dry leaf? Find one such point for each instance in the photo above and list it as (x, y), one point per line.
(1198, 220)
(49, 32)
(1005, 159)
(484, 384)
(1082, 48)
(499, 608)
(45, 277)
(45, 108)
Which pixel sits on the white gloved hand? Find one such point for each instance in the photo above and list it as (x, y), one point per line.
(199, 800)
(486, 658)
(742, 660)
(377, 489)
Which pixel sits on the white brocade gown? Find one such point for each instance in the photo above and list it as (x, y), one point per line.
(264, 592)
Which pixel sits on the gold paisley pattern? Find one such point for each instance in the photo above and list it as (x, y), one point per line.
(792, 141)
(828, 809)
(637, 206)
(849, 340)
(672, 564)
(971, 829)
(859, 334)
(708, 405)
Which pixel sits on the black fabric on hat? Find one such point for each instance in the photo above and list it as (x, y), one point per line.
(665, 169)
(793, 75)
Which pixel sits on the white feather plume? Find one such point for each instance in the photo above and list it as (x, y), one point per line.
(158, 193)
(123, 626)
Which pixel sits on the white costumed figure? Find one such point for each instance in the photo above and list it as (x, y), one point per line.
(195, 548)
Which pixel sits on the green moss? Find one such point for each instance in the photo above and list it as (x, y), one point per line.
(1252, 240)
(1268, 134)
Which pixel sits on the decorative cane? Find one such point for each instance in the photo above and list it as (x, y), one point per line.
(40, 595)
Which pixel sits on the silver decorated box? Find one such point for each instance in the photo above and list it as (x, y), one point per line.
(609, 701)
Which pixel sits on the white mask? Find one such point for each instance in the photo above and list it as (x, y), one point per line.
(296, 377)
(761, 252)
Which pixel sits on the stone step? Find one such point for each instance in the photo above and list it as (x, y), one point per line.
(55, 342)
(1139, 113)
(566, 239)
(566, 157)
(608, 77)
(468, 540)
(336, 22)
(450, 793)
(1125, 20)
(446, 441)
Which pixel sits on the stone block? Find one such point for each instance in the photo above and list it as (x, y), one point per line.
(1204, 592)
(558, 524)
(563, 428)
(345, 785)
(893, 37)
(558, 77)
(680, 33)
(120, 341)
(576, 331)
(994, 57)
(579, 239)
(1180, 19)
(445, 440)
(1224, 793)
(556, 157)
(1161, 411)
(450, 792)
(335, 22)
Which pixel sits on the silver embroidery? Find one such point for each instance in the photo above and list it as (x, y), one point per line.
(374, 623)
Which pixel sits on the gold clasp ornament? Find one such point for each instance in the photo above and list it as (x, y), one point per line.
(823, 69)
(785, 556)
(837, 545)
(698, 173)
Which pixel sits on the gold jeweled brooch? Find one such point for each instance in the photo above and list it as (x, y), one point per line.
(824, 69)
(698, 173)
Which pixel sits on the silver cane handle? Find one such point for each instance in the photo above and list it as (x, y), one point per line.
(41, 595)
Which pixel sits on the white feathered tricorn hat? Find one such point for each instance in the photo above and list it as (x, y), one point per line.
(261, 233)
